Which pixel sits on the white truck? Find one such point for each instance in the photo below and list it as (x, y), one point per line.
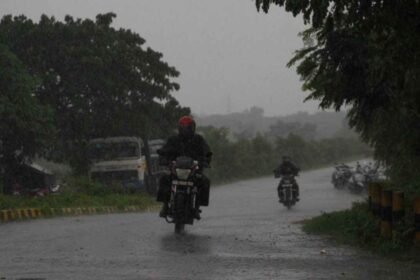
(125, 160)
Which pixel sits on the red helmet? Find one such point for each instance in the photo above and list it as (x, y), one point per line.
(186, 126)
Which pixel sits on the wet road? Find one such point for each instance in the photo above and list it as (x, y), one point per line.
(244, 234)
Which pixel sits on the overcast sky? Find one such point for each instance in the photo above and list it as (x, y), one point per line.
(230, 57)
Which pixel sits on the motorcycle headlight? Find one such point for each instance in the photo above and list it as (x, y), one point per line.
(183, 174)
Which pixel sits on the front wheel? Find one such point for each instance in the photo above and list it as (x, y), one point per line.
(179, 227)
(288, 205)
(355, 188)
(289, 199)
(180, 213)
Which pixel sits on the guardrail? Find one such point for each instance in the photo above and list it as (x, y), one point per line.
(34, 213)
(388, 206)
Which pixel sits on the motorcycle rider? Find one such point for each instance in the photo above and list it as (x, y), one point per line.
(285, 168)
(185, 143)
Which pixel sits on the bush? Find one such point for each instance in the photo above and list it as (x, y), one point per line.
(83, 185)
(73, 199)
(357, 226)
(247, 158)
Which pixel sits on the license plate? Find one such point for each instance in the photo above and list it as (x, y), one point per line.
(182, 183)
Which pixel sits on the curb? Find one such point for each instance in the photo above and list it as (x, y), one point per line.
(35, 213)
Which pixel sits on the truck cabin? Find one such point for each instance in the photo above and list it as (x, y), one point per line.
(117, 160)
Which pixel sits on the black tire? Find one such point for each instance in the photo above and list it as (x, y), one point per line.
(288, 194)
(338, 184)
(355, 189)
(179, 228)
(180, 213)
(288, 198)
(278, 193)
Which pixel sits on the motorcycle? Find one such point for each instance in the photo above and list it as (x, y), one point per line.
(357, 183)
(184, 193)
(341, 176)
(19, 190)
(287, 190)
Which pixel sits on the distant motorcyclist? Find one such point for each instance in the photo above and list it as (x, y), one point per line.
(288, 168)
(185, 143)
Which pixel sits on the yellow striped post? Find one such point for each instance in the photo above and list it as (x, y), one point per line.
(397, 207)
(386, 217)
(18, 214)
(38, 212)
(23, 213)
(32, 213)
(11, 214)
(417, 218)
(4, 217)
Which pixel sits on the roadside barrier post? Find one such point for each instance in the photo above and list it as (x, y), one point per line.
(386, 217)
(417, 219)
(397, 207)
(375, 190)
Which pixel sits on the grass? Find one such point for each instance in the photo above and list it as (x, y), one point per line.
(80, 192)
(70, 200)
(358, 227)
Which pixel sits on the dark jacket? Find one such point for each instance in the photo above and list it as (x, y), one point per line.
(194, 147)
(287, 168)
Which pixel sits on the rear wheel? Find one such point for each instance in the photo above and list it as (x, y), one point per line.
(280, 194)
(288, 198)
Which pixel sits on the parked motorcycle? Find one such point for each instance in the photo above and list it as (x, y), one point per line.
(341, 176)
(356, 179)
(184, 192)
(18, 190)
(357, 183)
(287, 190)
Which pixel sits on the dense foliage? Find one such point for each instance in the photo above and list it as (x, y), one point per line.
(26, 126)
(258, 156)
(365, 55)
(98, 80)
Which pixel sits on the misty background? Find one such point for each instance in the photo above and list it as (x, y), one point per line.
(231, 58)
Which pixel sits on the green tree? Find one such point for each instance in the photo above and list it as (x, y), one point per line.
(26, 126)
(365, 54)
(100, 80)
(217, 138)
